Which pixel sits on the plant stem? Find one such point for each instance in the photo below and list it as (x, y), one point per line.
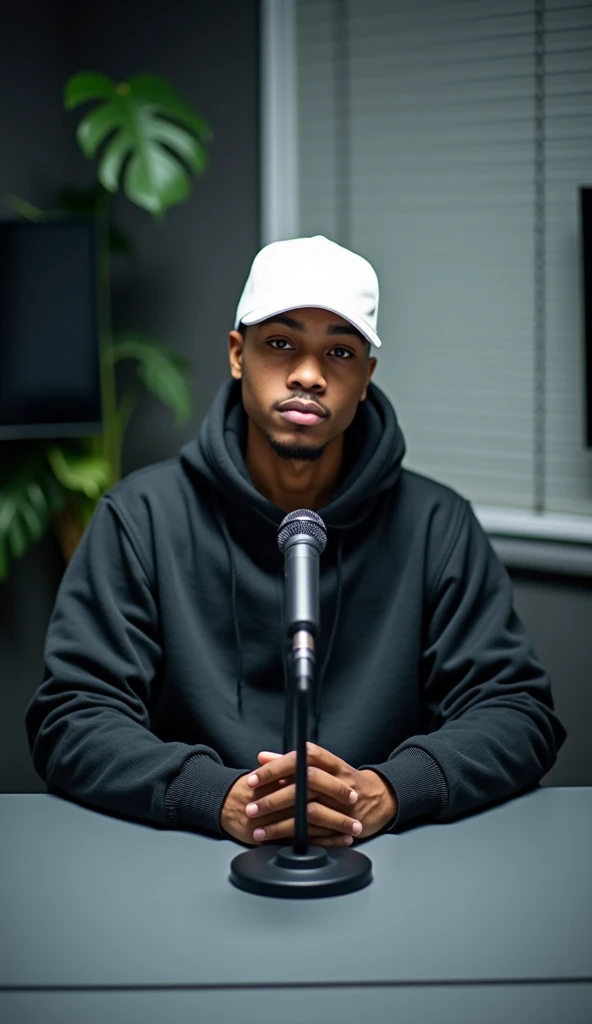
(111, 434)
(126, 406)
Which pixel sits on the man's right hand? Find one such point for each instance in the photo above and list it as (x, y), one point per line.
(237, 823)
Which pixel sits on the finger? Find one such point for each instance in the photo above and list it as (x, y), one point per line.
(273, 787)
(325, 759)
(314, 832)
(267, 755)
(335, 840)
(272, 774)
(331, 786)
(273, 800)
(283, 831)
(278, 768)
(328, 801)
(326, 817)
(318, 815)
(274, 832)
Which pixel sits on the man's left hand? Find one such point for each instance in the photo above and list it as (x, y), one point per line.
(374, 808)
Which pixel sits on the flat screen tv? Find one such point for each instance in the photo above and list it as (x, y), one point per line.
(49, 330)
(586, 211)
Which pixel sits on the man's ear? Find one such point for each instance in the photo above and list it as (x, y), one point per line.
(235, 354)
(371, 368)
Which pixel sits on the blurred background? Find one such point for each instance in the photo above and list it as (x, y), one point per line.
(449, 142)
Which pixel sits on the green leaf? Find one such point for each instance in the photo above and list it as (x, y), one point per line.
(154, 140)
(165, 373)
(157, 91)
(80, 471)
(94, 128)
(18, 540)
(28, 498)
(87, 85)
(156, 181)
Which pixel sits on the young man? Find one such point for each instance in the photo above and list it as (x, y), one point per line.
(163, 692)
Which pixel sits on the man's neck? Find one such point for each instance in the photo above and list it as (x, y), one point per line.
(291, 483)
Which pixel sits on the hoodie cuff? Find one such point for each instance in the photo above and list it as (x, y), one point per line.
(419, 785)
(195, 797)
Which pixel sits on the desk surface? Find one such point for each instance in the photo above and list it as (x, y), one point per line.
(502, 897)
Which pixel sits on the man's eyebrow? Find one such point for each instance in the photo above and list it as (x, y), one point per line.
(297, 325)
(345, 329)
(287, 321)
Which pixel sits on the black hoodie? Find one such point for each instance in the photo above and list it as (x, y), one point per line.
(166, 652)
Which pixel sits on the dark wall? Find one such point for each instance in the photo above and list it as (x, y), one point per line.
(186, 277)
(185, 280)
(557, 613)
(35, 151)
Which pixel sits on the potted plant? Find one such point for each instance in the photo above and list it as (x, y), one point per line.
(151, 143)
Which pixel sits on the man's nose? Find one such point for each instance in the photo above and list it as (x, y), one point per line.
(308, 374)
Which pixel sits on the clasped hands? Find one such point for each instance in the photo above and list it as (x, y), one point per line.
(343, 802)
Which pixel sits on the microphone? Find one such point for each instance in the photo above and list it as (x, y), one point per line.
(302, 538)
(301, 871)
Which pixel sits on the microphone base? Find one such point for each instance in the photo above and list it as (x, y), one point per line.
(279, 871)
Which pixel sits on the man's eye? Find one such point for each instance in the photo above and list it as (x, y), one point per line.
(338, 348)
(281, 341)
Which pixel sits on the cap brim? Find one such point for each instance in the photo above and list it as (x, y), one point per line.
(256, 316)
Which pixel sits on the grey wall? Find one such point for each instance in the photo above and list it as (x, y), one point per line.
(185, 281)
(183, 287)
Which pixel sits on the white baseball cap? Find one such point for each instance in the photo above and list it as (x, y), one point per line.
(311, 272)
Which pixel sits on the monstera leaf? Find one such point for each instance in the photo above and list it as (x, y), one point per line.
(155, 138)
(163, 372)
(29, 497)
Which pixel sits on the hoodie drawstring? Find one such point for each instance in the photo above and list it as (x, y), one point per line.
(285, 648)
(239, 680)
(321, 675)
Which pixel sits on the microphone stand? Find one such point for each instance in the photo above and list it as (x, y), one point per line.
(301, 871)
(303, 670)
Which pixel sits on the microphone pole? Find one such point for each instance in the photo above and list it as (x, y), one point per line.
(301, 871)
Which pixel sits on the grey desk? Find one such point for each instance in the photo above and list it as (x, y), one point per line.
(484, 920)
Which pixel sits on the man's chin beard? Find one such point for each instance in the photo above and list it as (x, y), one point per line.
(295, 451)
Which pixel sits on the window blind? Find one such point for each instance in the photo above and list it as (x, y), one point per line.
(567, 147)
(446, 141)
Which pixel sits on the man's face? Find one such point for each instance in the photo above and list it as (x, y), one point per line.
(310, 355)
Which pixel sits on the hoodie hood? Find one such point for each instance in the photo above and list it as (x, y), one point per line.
(373, 452)
(374, 449)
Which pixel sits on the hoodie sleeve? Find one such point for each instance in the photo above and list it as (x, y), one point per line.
(492, 732)
(88, 724)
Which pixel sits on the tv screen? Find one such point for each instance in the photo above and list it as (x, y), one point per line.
(586, 208)
(49, 331)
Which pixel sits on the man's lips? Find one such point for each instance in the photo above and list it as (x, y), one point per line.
(304, 413)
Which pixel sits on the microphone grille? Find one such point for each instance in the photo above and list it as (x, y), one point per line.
(302, 520)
